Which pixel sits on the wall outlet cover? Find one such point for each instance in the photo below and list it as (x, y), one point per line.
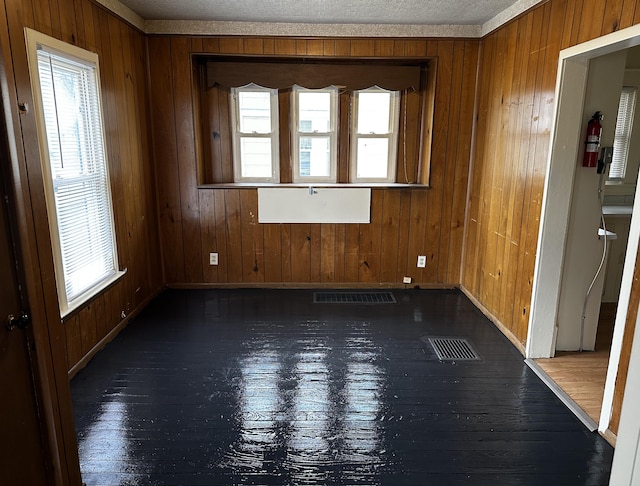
(213, 258)
(422, 261)
(406, 280)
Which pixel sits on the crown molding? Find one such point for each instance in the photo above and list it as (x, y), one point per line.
(508, 14)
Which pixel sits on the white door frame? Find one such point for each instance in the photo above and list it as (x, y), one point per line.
(566, 146)
(626, 460)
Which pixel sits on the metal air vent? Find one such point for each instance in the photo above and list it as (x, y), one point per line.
(453, 349)
(353, 298)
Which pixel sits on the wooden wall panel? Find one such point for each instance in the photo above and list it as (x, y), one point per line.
(405, 222)
(122, 57)
(516, 94)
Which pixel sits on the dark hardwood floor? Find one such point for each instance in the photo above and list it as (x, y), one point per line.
(217, 387)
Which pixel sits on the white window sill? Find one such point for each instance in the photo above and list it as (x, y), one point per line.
(85, 298)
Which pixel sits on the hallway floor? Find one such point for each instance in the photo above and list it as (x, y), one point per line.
(218, 387)
(582, 376)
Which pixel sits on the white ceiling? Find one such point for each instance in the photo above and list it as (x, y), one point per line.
(371, 18)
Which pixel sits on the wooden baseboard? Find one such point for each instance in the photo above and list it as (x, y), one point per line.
(110, 336)
(312, 285)
(497, 322)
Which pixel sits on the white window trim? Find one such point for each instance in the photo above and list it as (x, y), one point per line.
(34, 41)
(236, 135)
(392, 136)
(332, 134)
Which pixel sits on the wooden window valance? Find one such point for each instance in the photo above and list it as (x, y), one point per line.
(313, 75)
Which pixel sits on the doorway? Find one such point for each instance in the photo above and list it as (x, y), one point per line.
(566, 136)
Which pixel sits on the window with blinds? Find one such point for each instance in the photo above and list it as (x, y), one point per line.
(75, 169)
(622, 136)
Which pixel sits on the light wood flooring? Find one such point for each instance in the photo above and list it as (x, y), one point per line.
(582, 376)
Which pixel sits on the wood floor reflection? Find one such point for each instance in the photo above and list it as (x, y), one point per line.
(221, 387)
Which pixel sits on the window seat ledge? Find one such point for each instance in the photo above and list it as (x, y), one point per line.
(372, 185)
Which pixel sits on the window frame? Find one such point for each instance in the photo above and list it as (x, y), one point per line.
(215, 74)
(392, 136)
(332, 134)
(36, 41)
(622, 136)
(237, 135)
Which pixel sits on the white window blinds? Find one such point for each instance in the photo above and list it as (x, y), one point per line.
(622, 137)
(76, 175)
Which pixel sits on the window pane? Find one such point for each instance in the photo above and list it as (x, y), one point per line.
(373, 112)
(254, 111)
(372, 158)
(315, 156)
(314, 112)
(255, 153)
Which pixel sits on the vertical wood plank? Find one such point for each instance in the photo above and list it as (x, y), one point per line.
(222, 235)
(300, 253)
(327, 252)
(186, 157)
(612, 16)
(362, 48)
(252, 237)
(463, 157)
(418, 245)
(272, 253)
(315, 47)
(235, 251)
(370, 241)
(315, 252)
(627, 13)
(389, 266)
(352, 253)
(208, 234)
(253, 46)
(165, 156)
(88, 331)
(287, 272)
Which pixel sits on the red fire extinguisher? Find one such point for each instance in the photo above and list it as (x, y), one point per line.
(592, 143)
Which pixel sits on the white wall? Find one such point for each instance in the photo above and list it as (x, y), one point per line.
(583, 248)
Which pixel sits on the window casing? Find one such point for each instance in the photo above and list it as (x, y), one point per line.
(374, 135)
(314, 115)
(66, 91)
(254, 123)
(622, 137)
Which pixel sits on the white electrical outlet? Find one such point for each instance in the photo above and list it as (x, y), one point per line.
(213, 258)
(406, 280)
(422, 261)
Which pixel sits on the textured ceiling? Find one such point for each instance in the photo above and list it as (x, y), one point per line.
(366, 18)
(414, 12)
